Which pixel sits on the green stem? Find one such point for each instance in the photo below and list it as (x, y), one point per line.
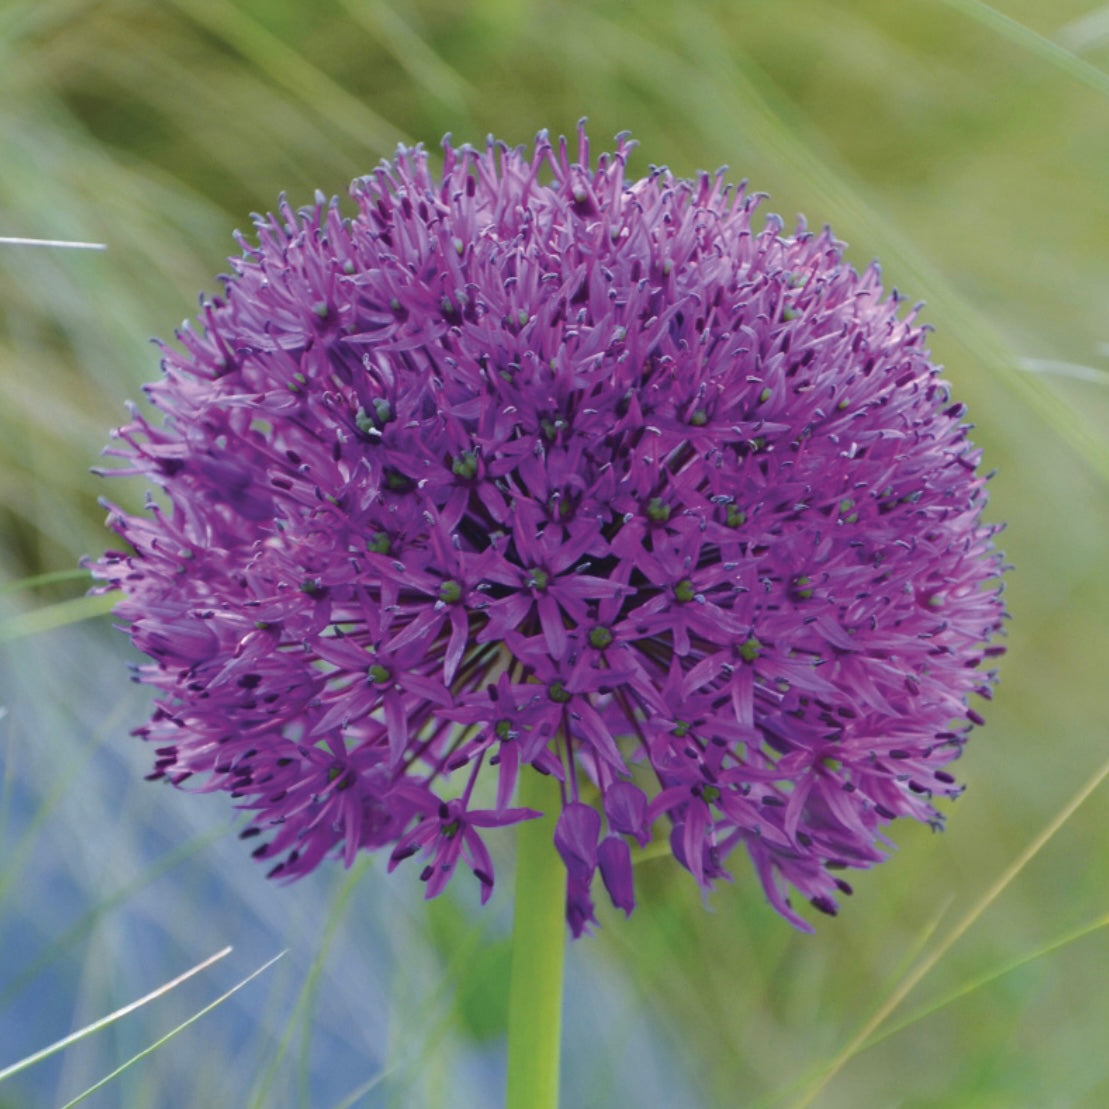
(538, 946)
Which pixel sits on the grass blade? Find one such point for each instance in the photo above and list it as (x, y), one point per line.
(51, 577)
(1051, 52)
(1073, 370)
(10, 240)
(986, 978)
(287, 67)
(60, 615)
(911, 980)
(169, 1035)
(111, 1018)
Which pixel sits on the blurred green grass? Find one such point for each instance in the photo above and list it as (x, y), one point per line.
(968, 152)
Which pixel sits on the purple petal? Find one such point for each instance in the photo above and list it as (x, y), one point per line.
(626, 809)
(576, 840)
(615, 859)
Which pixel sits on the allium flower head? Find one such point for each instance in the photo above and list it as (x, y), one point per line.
(529, 468)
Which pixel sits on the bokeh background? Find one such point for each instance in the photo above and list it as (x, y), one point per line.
(966, 146)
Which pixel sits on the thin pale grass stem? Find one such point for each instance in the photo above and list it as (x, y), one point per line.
(169, 1035)
(50, 617)
(68, 244)
(986, 979)
(53, 577)
(911, 980)
(427, 69)
(904, 965)
(1035, 43)
(77, 931)
(1074, 370)
(291, 70)
(359, 1092)
(111, 1018)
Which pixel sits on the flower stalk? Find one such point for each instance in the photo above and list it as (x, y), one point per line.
(538, 948)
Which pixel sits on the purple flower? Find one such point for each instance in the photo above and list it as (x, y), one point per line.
(529, 468)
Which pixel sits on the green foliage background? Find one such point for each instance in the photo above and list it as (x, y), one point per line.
(966, 146)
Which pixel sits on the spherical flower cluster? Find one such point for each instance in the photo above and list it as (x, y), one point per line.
(529, 468)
